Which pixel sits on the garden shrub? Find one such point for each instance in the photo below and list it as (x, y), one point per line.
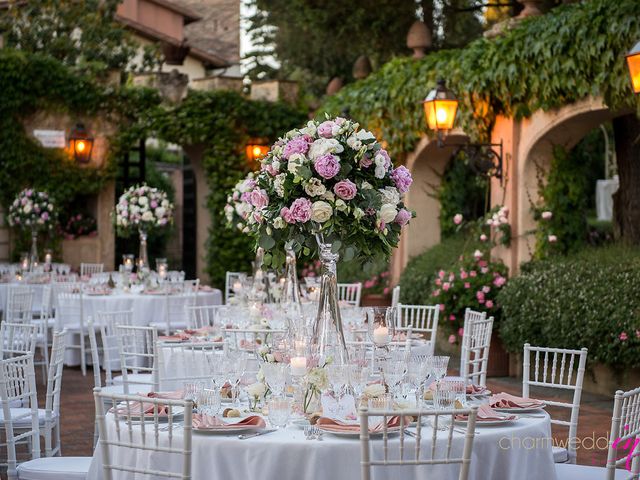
(589, 299)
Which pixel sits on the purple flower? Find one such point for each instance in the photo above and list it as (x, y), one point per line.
(327, 166)
(403, 217)
(295, 145)
(45, 216)
(301, 210)
(366, 162)
(153, 204)
(345, 189)
(258, 198)
(402, 179)
(325, 129)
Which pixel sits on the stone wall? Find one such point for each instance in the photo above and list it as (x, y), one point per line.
(5, 250)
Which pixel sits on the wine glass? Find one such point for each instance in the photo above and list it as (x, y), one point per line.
(279, 411)
(191, 390)
(275, 374)
(394, 372)
(338, 377)
(359, 376)
(235, 366)
(444, 398)
(417, 373)
(438, 367)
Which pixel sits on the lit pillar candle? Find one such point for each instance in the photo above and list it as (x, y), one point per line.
(237, 286)
(47, 258)
(298, 366)
(381, 335)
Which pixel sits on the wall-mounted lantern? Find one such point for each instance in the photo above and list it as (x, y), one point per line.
(440, 108)
(80, 144)
(633, 64)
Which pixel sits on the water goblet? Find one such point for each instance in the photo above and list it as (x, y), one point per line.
(438, 367)
(275, 374)
(417, 373)
(394, 372)
(279, 411)
(191, 390)
(209, 401)
(444, 398)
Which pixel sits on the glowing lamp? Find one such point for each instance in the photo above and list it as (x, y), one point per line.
(80, 144)
(255, 151)
(440, 107)
(633, 63)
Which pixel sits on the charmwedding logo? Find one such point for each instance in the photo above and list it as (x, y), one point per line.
(630, 445)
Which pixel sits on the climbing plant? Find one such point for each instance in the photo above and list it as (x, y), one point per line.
(568, 54)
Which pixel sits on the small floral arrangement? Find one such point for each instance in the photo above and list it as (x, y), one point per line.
(238, 208)
(142, 208)
(255, 392)
(32, 209)
(317, 382)
(378, 283)
(332, 178)
(79, 225)
(475, 284)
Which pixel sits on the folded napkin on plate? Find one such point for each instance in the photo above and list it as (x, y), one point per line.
(176, 395)
(180, 336)
(475, 389)
(141, 408)
(505, 400)
(487, 414)
(203, 421)
(333, 425)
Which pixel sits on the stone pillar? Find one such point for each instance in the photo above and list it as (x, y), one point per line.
(5, 250)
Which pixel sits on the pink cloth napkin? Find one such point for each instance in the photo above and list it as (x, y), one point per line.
(141, 408)
(487, 414)
(206, 288)
(202, 421)
(181, 336)
(333, 425)
(475, 389)
(176, 395)
(505, 400)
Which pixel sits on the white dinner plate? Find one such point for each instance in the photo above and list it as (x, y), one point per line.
(522, 410)
(488, 423)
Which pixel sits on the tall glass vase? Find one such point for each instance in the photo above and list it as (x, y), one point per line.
(327, 341)
(33, 254)
(290, 296)
(143, 257)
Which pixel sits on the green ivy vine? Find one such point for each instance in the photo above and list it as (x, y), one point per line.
(572, 52)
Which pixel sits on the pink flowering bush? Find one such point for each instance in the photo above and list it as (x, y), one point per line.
(473, 283)
(377, 284)
(79, 225)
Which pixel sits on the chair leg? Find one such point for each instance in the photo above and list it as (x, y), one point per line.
(83, 353)
(45, 352)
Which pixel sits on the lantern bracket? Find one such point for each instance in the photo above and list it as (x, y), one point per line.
(484, 158)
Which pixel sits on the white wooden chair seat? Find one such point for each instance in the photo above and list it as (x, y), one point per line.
(21, 417)
(134, 378)
(119, 389)
(569, 471)
(55, 468)
(175, 325)
(560, 454)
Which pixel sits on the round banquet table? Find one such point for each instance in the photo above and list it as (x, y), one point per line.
(519, 451)
(146, 309)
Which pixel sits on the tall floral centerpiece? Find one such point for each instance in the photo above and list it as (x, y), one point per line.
(143, 209)
(34, 211)
(328, 189)
(238, 209)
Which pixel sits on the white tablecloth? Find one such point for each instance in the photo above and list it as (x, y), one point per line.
(37, 294)
(518, 452)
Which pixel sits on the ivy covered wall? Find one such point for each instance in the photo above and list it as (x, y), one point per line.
(568, 54)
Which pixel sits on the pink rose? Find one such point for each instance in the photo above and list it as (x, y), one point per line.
(258, 198)
(547, 215)
(295, 145)
(402, 179)
(472, 273)
(461, 331)
(452, 339)
(480, 296)
(441, 274)
(301, 210)
(457, 218)
(486, 289)
(483, 238)
(452, 317)
(552, 239)
(623, 336)
(327, 166)
(403, 217)
(446, 286)
(386, 290)
(325, 129)
(285, 213)
(435, 293)
(442, 307)
(345, 189)
(489, 304)
(463, 275)
(499, 281)
(438, 281)
(366, 162)
(467, 285)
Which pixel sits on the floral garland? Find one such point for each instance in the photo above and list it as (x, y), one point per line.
(331, 178)
(142, 208)
(32, 209)
(238, 208)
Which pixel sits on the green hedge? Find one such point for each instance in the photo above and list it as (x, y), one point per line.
(416, 282)
(585, 300)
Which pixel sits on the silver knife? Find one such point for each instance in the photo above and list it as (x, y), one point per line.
(256, 434)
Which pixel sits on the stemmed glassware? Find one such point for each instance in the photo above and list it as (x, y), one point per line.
(444, 398)
(209, 401)
(381, 324)
(279, 411)
(417, 373)
(394, 372)
(438, 367)
(359, 376)
(235, 366)
(275, 374)
(338, 377)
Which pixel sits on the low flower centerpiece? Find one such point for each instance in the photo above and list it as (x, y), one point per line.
(143, 209)
(328, 189)
(34, 211)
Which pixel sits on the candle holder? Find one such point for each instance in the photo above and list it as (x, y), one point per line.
(381, 326)
(127, 262)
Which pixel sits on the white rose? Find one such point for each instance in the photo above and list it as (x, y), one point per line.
(374, 390)
(390, 195)
(275, 165)
(380, 171)
(256, 390)
(26, 208)
(328, 195)
(279, 223)
(388, 213)
(365, 186)
(50, 207)
(295, 162)
(341, 206)
(358, 213)
(354, 143)
(314, 187)
(165, 203)
(243, 209)
(147, 216)
(160, 211)
(143, 200)
(322, 146)
(321, 211)
(365, 135)
(310, 129)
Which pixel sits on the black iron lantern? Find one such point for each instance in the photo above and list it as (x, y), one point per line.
(80, 144)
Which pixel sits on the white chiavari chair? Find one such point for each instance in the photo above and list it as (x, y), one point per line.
(89, 269)
(476, 341)
(423, 319)
(250, 339)
(17, 339)
(175, 311)
(561, 370)
(19, 304)
(155, 438)
(623, 459)
(191, 286)
(383, 454)
(70, 316)
(45, 323)
(106, 324)
(21, 425)
(202, 316)
(395, 296)
(350, 293)
(230, 278)
(51, 427)
(138, 355)
(186, 362)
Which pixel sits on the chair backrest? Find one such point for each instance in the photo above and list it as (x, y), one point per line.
(46, 306)
(203, 316)
(88, 269)
(107, 322)
(395, 296)
(350, 293)
(422, 319)
(18, 339)
(560, 369)
(136, 346)
(18, 387)
(120, 429)
(69, 308)
(476, 340)
(250, 339)
(69, 278)
(175, 312)
(230, 278)
(625, 435)
(441, 451)
(19, 304)
(185, 362)
(54, 379)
